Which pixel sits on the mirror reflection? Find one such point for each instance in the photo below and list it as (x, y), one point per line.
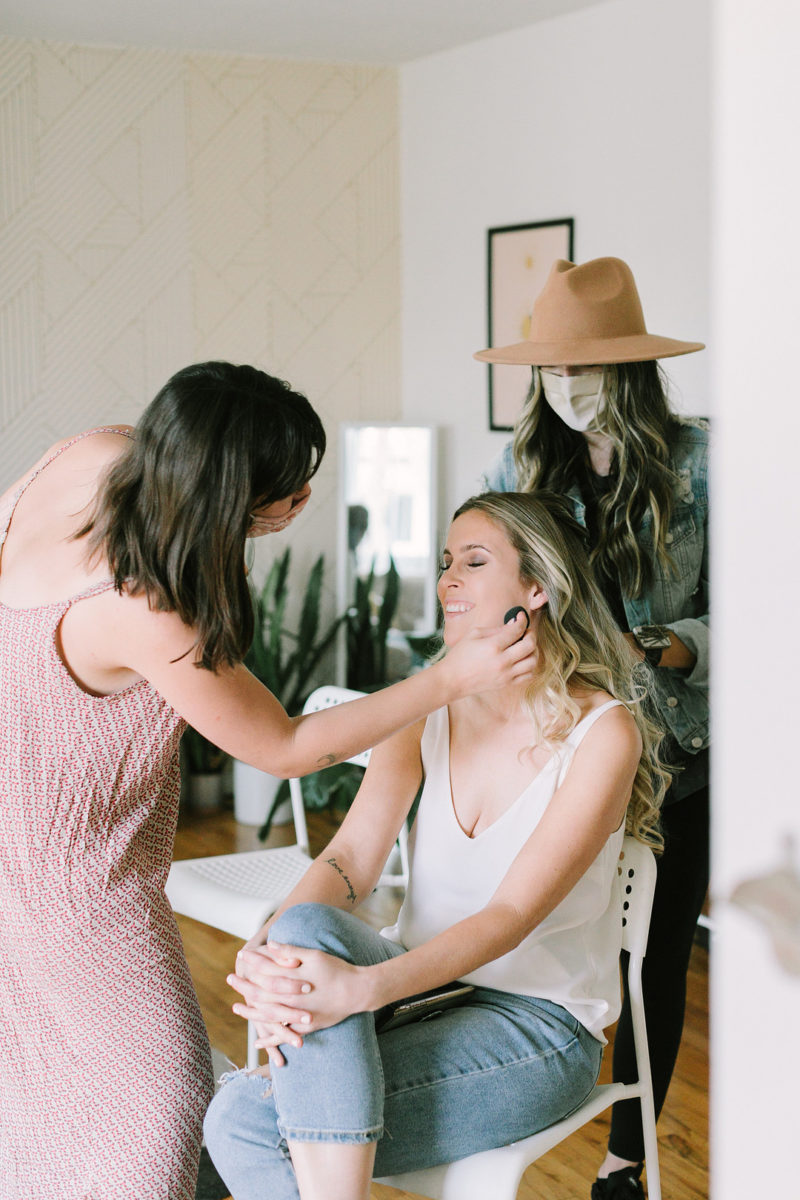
(387, 575)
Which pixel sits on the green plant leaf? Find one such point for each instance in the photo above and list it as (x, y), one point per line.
(333, 788)
(298, 696)
(391, 594)
(275, 642)
(275, 582)
(257, 658)
(309, 613)
(202, 756)
(284, 660)
(283, 793)
(425, 645)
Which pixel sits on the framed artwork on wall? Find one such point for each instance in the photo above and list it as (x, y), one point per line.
(519, 261)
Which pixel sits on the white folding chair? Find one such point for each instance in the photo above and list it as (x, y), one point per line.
(497, 1173)
(237, 892)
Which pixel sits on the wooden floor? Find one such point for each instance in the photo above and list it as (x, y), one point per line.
(566, 1172)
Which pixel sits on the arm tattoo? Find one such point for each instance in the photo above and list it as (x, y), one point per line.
(327, 760)
(351, 896)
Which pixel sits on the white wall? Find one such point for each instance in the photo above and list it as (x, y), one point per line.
(755, 1004)
(601, 115)
(607, 115)
(161, 208)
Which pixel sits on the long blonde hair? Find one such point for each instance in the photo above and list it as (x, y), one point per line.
(580, 647)
(637, 418)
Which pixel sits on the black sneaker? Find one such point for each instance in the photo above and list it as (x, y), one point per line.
(620, 1185)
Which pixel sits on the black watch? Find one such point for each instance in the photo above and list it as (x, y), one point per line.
(653, 640)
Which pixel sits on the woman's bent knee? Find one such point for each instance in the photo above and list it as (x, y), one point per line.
(321, 927)
(316, 927)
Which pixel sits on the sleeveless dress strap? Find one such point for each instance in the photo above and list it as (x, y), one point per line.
(104, 585)
(26, 483)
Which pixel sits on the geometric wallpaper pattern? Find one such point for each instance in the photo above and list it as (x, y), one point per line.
(159, 208)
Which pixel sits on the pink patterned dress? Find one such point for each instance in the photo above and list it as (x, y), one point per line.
(105, 1069)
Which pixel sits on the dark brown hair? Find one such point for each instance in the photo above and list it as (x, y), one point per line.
(173, 512)
(637, 417)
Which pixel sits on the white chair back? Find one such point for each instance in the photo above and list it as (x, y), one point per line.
(323, 697)
(636, 880)
(497, 1173)
(238, 892)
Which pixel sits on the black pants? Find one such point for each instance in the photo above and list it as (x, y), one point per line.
(680, 890)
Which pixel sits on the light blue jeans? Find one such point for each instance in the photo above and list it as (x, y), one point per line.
(487, 1073)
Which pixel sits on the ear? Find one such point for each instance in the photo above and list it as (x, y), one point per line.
(537, 597)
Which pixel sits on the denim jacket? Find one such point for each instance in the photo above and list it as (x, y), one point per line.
(676, 598)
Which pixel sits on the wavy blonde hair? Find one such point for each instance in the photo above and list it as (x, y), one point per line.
(637, 418)
(580, 647)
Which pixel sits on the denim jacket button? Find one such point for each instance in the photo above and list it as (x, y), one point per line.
(672, 701)
(697, 743)
(668, 538)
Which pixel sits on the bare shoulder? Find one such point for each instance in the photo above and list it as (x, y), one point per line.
(11, 491)
(395, 765)
(99, 446)
(402, 749)
(108, 435)
(614, 732)
(605, 763)
(94, 447)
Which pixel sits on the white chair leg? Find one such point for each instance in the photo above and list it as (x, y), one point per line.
(645, 1083)
(252, 1052)
(402, 840)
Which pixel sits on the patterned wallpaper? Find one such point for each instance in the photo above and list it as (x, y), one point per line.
(161, 208)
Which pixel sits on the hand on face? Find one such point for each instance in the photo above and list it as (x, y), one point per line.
(275, 517)
(485, 660)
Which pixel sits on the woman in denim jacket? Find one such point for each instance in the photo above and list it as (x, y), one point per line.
(597, 427)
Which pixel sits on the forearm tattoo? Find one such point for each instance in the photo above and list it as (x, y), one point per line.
(327, 760)
(351, 895)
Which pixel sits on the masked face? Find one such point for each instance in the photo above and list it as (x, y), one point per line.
(273, 518)
(574, 398)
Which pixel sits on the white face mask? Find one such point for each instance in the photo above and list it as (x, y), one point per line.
(574, 398)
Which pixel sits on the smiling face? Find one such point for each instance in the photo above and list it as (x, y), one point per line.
(480, 578)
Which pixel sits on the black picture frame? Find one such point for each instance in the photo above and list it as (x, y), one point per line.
(518, 261)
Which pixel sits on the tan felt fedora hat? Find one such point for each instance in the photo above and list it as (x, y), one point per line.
(588, 314)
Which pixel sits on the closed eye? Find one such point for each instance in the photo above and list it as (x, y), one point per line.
(445, 566)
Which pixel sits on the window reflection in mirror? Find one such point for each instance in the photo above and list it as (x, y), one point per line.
(387, 514)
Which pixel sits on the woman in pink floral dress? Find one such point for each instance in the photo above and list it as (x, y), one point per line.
(124, 612)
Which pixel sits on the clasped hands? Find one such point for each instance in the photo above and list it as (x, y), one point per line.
(290, 991)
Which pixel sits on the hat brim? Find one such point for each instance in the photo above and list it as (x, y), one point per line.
(588, 351)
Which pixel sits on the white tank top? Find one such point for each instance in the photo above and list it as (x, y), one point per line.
(572, 956)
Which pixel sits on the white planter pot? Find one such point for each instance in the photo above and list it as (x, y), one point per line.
(253, 794)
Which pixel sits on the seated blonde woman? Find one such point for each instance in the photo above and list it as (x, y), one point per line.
(527, 793)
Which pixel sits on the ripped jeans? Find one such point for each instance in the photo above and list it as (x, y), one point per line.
(493, 1070)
